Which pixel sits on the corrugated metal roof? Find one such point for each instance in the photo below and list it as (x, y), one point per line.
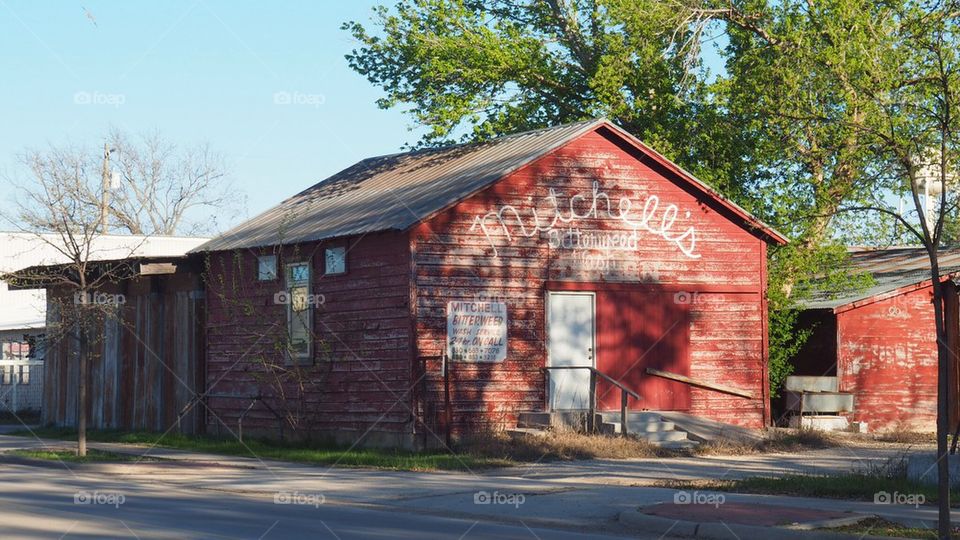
(891, 268)
(394, 192)
(22, 309)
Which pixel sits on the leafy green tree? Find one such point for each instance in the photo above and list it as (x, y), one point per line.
(473, 69)
(478, 69)
(888, 74)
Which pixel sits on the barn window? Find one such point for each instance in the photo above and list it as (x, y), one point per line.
(299, 311)
(267, 268)
(336, 260)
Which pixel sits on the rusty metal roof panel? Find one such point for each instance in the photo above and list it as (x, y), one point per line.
(394, 192)
(892, 268)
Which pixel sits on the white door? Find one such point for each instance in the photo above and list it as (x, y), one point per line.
(570, 328)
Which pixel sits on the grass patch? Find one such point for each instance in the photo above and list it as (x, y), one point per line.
(883, 527)
(312, 453)
(494, 449)
(563, 445)
(854, 486)
(21, 417)
(70, 456)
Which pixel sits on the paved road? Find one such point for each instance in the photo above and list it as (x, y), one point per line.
(191, 495)
(48, 502)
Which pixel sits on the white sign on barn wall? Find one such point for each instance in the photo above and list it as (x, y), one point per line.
(476, 331)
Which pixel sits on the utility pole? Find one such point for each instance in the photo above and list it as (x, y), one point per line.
(105, 190)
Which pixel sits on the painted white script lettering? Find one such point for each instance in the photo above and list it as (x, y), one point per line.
(595, 205)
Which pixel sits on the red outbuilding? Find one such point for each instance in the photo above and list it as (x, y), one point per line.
(576, 246)
(879, 345)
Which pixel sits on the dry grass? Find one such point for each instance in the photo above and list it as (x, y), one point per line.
(905, 437)
(554, 445)
(881, 527)
(777, 440)
(797, 440)
(559, 445)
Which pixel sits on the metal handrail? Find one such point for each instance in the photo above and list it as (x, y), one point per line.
(625, 395)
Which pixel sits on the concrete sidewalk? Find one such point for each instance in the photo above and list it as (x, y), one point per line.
(577, 495)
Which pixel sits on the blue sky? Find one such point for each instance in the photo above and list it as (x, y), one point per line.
(198, 71)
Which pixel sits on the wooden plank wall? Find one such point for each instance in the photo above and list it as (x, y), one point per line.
(723, 288)
(147, 362)
(887, 357)
(359, 380)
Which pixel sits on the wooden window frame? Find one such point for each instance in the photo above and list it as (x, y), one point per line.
(326, 267)
(276, 272)
(305, 358)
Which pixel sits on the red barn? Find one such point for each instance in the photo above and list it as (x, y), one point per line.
(571, 246)
(880, 344)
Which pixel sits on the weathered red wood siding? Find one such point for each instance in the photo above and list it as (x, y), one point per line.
(721, 290)
(146, 364)
(359, 382)
(887, 357)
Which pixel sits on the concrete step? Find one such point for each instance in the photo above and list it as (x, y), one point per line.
(645, 427)
(651, 427)
(517, 433)
(703, 429)
(678, 445)
(662, 436)
(633, 416)
(822, 422)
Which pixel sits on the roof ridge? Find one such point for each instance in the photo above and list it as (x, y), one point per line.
(424, 182)
(464, 144)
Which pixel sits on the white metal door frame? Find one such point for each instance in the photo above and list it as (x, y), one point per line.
(593, 332)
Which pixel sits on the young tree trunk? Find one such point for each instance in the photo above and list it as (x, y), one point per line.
(943, 408)
(82, 390)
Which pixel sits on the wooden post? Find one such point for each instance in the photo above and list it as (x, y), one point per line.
(624, 430)
(447, 413)
(592, 419)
